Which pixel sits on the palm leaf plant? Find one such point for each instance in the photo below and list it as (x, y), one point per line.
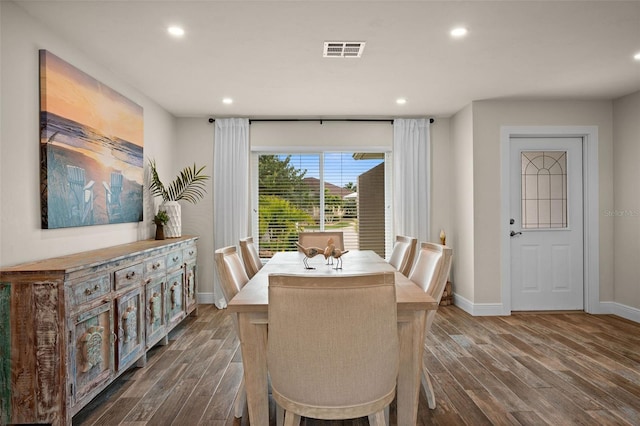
(189, 185)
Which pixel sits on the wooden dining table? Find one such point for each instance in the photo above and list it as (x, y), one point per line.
(251, 305)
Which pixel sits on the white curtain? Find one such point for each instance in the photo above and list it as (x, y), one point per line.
(411, 181)
(230, 188)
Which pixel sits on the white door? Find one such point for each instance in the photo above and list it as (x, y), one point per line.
(546, 224)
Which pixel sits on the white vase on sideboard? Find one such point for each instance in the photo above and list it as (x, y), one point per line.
(173, 228)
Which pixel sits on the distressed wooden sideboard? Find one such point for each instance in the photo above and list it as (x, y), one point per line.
(70, 325)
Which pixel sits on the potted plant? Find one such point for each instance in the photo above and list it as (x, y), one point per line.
(189, 185)
(160, 219)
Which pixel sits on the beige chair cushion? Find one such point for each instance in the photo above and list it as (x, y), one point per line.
(319, 239)
(250, 256)
(403, 254)
(231, 271)
(333, 343)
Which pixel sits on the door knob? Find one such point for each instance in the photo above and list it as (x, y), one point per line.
(513, 233)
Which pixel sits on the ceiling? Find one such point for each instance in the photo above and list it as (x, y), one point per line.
(267, 55)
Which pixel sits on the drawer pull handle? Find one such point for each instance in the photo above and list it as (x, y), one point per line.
(191, 252)
(131, 275)
(155, 265)
(89, 291)
(175, 259)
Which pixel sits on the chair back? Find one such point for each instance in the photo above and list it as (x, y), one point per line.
(403, 253)
(230, 271)
(250, 256)
(431, 272)
(333, 349)
(319, 239)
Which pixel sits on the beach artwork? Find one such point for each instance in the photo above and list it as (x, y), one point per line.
(91, 149)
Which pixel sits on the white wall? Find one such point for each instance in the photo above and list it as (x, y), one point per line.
(625, 210)
(194, 144)
(461, 236)
(441, 174)
(21, 238)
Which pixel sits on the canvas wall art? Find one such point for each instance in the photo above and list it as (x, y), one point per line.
(91, 149)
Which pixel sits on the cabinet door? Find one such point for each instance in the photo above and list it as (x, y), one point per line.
(175, 296)
(190, 286)
(91, 351)
(156, 310)
(130, 311)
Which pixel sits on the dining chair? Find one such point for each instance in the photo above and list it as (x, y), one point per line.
(250, 256)
(232, 278)
(430, 273)
(332, 349)
(319, 239)
(403, 253)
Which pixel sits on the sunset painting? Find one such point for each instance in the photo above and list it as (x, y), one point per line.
(91, 149)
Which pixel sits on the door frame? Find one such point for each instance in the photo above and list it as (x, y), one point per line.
(590, 199)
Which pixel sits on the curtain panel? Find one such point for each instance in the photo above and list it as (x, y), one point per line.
(411, 177)
(230, 188)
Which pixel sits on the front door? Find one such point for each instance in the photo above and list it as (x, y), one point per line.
(546, 224)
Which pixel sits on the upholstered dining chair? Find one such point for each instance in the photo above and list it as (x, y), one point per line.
(319, 239)
(250, 256)
(430, 273)
(333, 350)
(403, 253)
(232, 278)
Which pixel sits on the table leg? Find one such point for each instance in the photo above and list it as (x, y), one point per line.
(411, 335)
(253, 342)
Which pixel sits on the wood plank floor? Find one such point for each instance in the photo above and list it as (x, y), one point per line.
(528, 369)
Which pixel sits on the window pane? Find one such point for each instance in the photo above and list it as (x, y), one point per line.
(289, 199)
(544, 189)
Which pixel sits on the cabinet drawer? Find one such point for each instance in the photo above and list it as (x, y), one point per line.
(189, 254)
(174, 259)
(155, 266)
(91, 288)
(129, 276)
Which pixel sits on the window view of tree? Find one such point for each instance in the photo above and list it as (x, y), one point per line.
(289, 189)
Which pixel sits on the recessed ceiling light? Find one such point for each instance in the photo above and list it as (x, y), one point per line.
(175, 31)
(637, 56)
(459, 32)
(227, 101)
(401, 101)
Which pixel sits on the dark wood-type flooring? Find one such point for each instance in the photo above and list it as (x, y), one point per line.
(529, 369)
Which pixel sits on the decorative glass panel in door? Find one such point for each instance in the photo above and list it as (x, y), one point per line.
(544, 189)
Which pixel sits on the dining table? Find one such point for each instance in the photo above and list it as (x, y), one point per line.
(251, 305)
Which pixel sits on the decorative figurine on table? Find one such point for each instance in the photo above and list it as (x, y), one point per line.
(328, 250)
(331, 252)
(309, 252)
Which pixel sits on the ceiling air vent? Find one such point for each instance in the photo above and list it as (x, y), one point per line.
(343, 49)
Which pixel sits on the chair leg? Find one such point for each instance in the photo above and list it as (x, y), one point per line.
(377, 419)
(279, 415)
(291, 419)
(241, 401)
(428, 388)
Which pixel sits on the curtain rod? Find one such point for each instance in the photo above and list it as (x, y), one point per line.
(321, 120)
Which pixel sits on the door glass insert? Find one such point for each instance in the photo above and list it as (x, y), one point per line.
(544, 189)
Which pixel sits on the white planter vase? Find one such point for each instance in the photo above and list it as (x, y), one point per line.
(173, 228)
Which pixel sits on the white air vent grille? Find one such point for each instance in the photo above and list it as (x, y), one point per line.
(343, 49)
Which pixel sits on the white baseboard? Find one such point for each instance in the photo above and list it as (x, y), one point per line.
(205, 298)
(477, 309)
(495, 309)
(624, 311)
